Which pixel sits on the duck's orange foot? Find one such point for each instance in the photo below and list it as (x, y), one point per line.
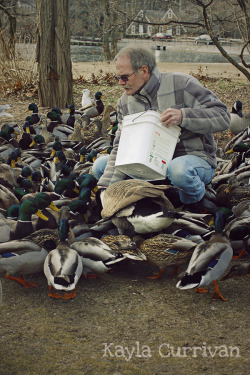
(155, 276)
(20, 280)
(239, 255)
(217, 294)
(69, 295)
(90, 276)
(55, 295)
(58, 295)
(202, 290)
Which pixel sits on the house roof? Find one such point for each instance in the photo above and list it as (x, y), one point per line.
(152, 16)
(155, 15)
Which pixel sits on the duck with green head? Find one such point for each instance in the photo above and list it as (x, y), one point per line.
(24, 226)
(34, 109)
(210, 260)
(63, 265)
(31, 252)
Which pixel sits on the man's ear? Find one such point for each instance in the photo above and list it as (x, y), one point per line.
(144, 70)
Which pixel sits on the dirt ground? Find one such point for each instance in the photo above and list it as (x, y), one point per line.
(123, 323)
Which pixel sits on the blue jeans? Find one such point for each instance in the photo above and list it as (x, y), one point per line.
(189, 173)
(99, 166)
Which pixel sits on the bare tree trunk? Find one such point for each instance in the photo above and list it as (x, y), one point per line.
(55, 84)
(109, 44)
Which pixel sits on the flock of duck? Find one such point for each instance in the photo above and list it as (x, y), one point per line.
(52, 219)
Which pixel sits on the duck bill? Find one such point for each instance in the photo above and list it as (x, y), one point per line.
(229, 151)
(111, 127)
(56, 160)
(32, 143)
(82, 158)
(41, 215)
(53, 152)
(28, 130)
(53, 207)
(13, 164)
(76, 190)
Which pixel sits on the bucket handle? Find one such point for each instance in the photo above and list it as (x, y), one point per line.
(142, 113)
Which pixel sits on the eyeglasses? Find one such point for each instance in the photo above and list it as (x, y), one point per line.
(124, 78)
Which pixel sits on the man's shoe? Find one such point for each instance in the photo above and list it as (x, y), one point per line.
(201, 207)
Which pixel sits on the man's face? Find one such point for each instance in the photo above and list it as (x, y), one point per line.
(134, 80)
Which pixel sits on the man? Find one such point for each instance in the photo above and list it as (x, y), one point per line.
(181, 100)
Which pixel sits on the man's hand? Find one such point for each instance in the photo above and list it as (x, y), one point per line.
(171, 116)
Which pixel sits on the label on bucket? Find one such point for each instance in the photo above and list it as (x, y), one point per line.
(160, 151)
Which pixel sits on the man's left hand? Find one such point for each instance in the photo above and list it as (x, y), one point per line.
(171, 116)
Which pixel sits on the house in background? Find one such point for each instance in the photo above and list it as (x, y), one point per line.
(149, 22)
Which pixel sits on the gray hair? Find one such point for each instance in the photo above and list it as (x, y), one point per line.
(139, 56)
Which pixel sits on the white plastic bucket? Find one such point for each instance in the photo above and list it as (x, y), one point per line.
(146, 146)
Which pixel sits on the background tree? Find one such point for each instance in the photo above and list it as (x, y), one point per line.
(214, 22)
(8, 28)
(55, 79)
(110, 28)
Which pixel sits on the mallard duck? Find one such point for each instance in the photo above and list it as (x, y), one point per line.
(242, 208)
(24, 188)
(32, 107)
(71, 116)
(97, 257)
(87, 180)
(63, 266)
(238, 231)
(56, 127)
(77, 134)
(96, 124)
(26, 139)
(48, 209)
(12, 211)
(106, 120)
(8, 135)
(210, 260)
(38, 142)
(139, 206)
(165, 250)
(30, 252)
(8, 176)
(24, 226)
(23, 264)
(14, 157)
(239, 120)
(7, 197)
(97, 108)
(240, 147)
(232, 193)
(238, 269)
(61, 167)
(48, 136)
(43, 238)
(68, 118)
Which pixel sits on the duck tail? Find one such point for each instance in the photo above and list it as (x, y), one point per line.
(189, 281)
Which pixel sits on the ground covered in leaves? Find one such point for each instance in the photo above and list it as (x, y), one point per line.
(123, 323)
